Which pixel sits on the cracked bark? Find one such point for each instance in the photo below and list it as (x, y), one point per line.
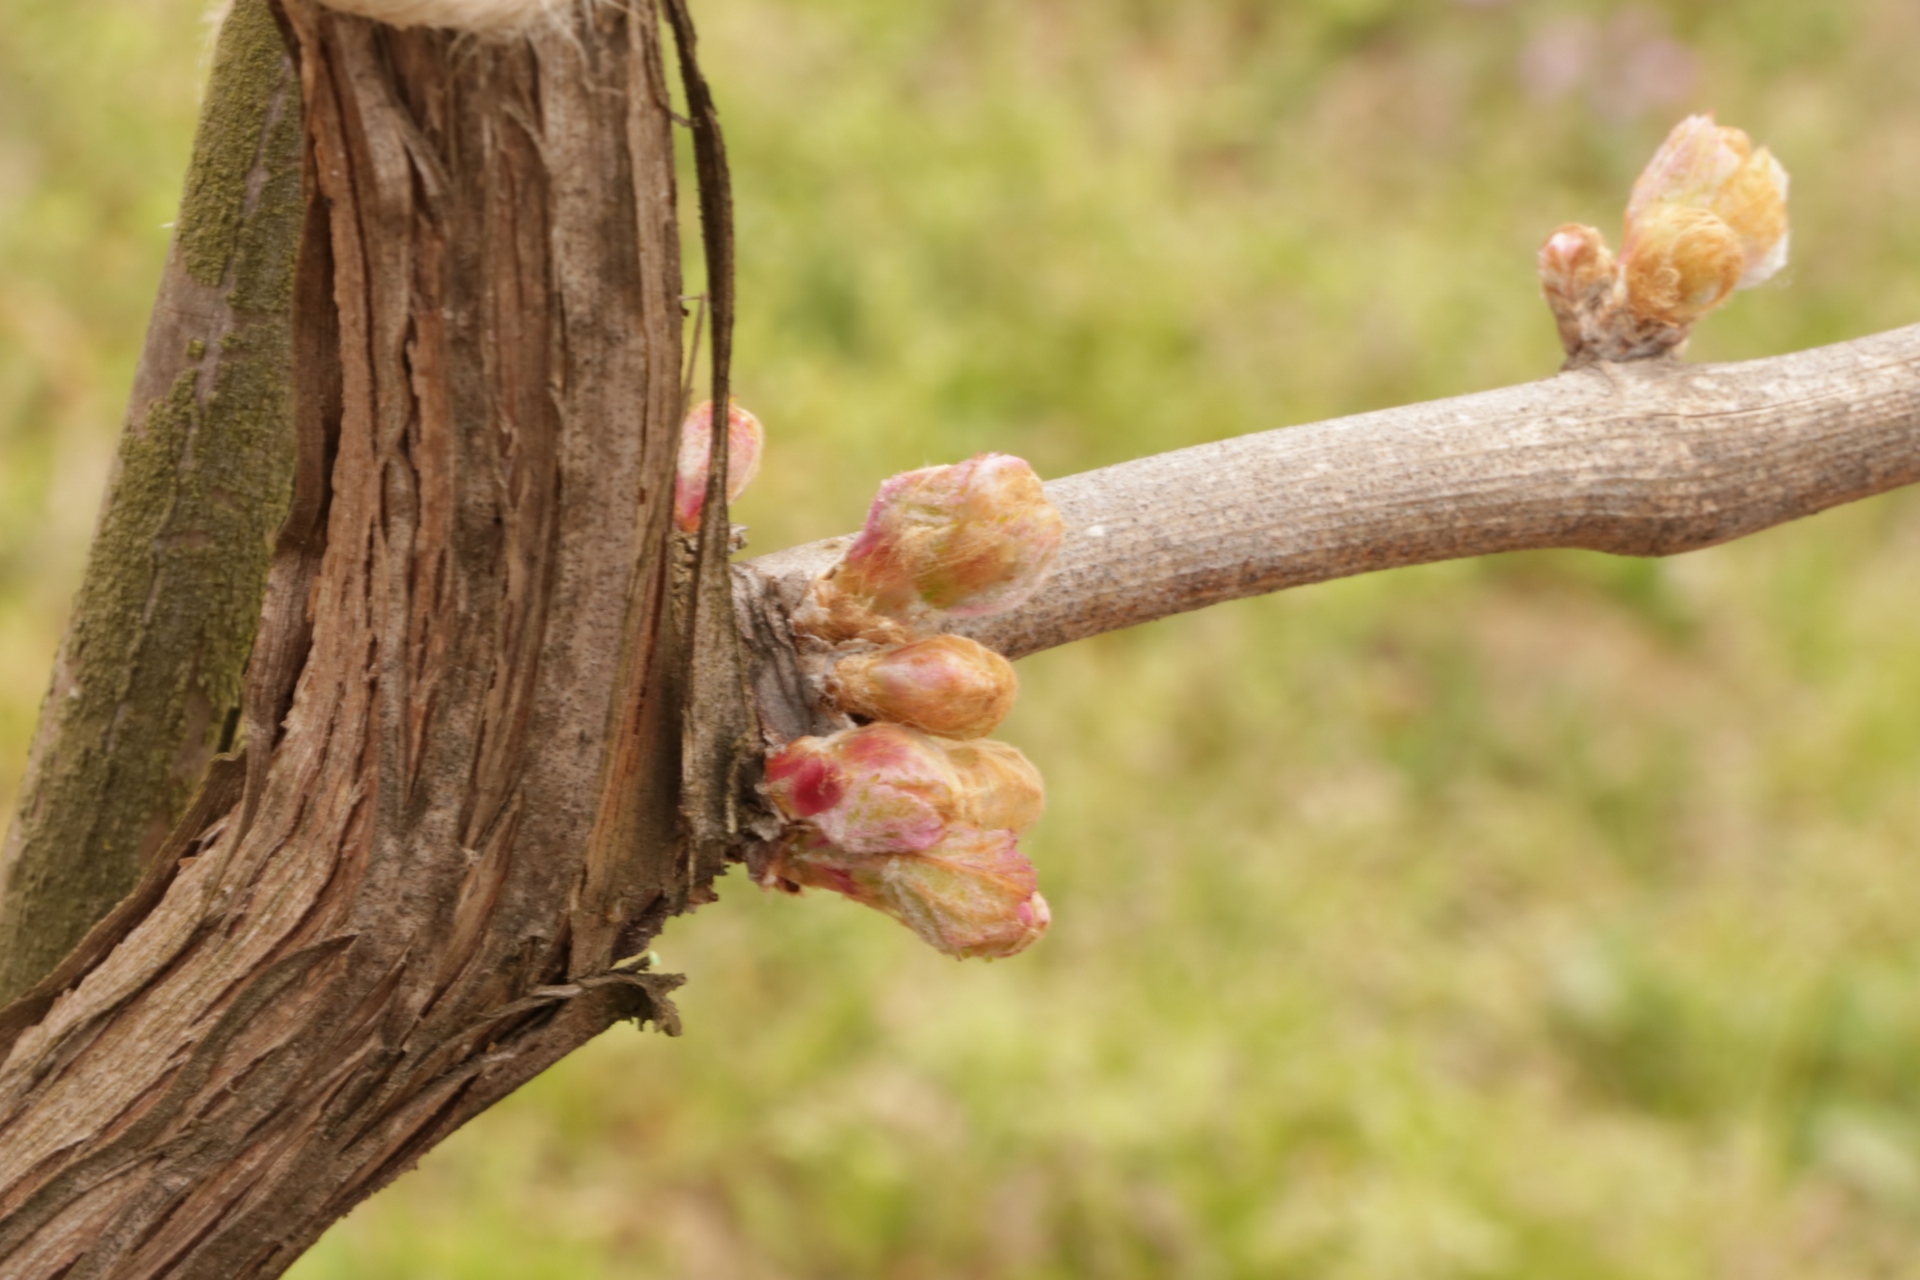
(411, 894)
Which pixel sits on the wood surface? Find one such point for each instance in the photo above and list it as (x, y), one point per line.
(410, 895)
(1651, 458)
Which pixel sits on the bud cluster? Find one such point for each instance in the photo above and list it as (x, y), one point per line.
(916, 812)
(1707, 216)
(924, 829)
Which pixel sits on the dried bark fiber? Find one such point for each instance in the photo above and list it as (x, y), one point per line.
(460, 799)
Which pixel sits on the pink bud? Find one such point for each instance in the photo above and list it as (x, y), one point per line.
(923, 829)
(805, 859)
(1577, 275)
(965, 540)
(947, 685)
(885, 788)
(805, 778)
(973, 896)
(881, 788)
(745, 440)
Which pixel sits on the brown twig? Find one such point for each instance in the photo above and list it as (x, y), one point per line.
(1648, 459)
(718, 734)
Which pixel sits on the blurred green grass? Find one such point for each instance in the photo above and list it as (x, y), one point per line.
(1549, 915)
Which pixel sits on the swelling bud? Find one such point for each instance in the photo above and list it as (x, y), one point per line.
(881, 788)
(947, 685)
(963, 541)
(1707, 166)
(746, 439)
(974, 897)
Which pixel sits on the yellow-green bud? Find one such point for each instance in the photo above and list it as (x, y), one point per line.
(975, 896)
(948, 685)
(1000, 790)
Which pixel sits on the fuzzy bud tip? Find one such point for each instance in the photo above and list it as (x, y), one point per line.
(1684, 263)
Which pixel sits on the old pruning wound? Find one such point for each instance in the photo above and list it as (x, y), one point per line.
(1708, 216)
(916, 813)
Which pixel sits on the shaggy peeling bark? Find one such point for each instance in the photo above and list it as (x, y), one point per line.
(459, 806)
(146, 687)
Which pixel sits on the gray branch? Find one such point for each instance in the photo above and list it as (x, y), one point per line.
(1645, 459)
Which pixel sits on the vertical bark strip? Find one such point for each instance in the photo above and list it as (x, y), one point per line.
(147, 682)
(467, 672)
(720, 736)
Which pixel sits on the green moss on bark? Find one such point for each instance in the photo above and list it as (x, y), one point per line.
(155, 655)
(248, 70)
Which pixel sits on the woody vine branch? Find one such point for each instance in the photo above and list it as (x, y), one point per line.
(1628, 451)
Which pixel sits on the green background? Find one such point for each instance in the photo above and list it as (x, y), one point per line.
(1542, 916)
